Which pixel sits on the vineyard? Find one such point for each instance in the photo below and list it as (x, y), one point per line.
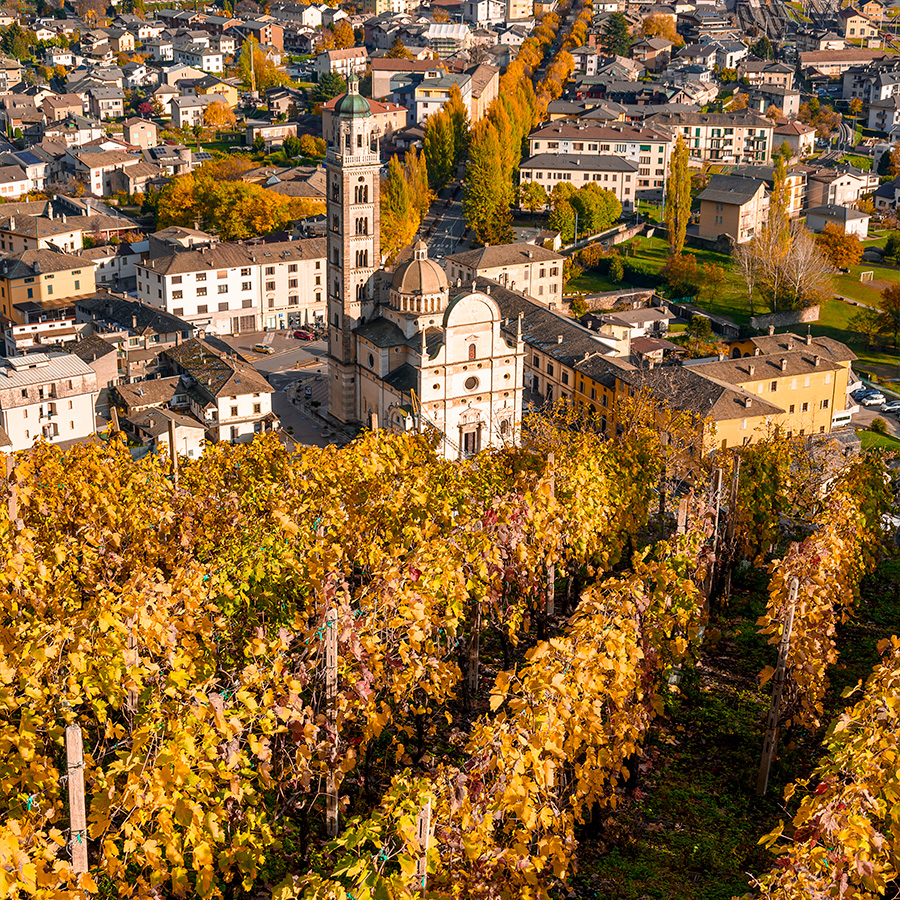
(368, 673)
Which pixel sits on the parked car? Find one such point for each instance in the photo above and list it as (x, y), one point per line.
(858, 395)
(265, 349)
(892, 406)
(307, 391)
(304, 336)
(874, 398)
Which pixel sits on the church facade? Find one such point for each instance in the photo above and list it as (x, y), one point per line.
(427, 356)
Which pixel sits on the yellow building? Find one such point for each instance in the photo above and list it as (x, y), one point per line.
(42, 277)
(782, 381)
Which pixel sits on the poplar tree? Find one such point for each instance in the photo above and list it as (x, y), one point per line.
(459, 123)
(399, 220)
(485, 202)
(440, 149)
(678, 197)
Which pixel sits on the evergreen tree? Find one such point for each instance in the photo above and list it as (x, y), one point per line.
(440, 149)
(616, 38)
(762, 49)
(678, 197)
(398, 51)
(330, 85)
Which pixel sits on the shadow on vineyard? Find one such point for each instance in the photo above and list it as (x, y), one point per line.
(691, 829)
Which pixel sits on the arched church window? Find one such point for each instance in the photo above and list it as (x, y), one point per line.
(472, 351)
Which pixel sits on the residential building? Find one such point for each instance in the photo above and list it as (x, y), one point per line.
(226, 394)
(140, 133)
(799, 137)
(347, 62)
(139, 330)
(390, 76)
(291, 282)
(36, 279)
(839, 186)
(157, 426)
(430, 94)
(721, 137)
(528, 268)
(13, 182)
(107, 102)
(653, 53)
(201, 56)
(855, 26)
(214, 288)
(27, 232)
(273, 133)
(648, 147)
(884, 115)
(46, 396)
(103, 358)
(95, 167)
(848, 219)
(832, 63)
(448, 38)
(734, 206)
(611, 172)
(485, 86)
(59, 106)
(762, 71)
(190, 111)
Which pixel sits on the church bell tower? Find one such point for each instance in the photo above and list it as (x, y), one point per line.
(352, 167)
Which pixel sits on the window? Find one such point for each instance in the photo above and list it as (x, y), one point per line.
(773, 386)
(30, 293)
(24, 413)
(234, 410)
(177, 295)
(270, 270)
(201, 292)
(791, 408)
(292, 283)
(201, 276)
(246, 304)
(222, 274)
(823, 404)
(223, 306)
(292, 267)
(550, 369)
(804, 407)
(223, 288)
(201, 309)
(293, 300)
(176, 279)
(270, 285)
(257, 408)
(245, 286)
(244, 272)
(49, 288)
(565, 377)
(178, 312)
(473, 351)
(77, 285)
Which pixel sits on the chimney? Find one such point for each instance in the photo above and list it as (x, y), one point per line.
(751, 370)
(559, 339)
(721, 357)
(12, 224)
(790, 344)
(783, 364)
(808, 338)
(756, 351)
(747, 402)
(771, 330)
(816, 360)
(134, 321)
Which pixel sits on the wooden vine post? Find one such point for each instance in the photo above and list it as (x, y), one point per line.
(12, 502)
(423, 836)
(784, 646)
(173, 452)
(474, 648)
(131, 660)
(331, 685)
(550, 608)
(77, 817)
(682, 515)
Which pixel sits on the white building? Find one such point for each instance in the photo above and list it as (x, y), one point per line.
(291, 278)
(431, 356)
(190, 111)
(199, 55)
(612, 173)
(49, 396)
(346, 62)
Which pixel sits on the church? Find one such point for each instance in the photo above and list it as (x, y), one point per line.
(416, 352)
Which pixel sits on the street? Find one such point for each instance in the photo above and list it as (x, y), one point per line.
(449, 227)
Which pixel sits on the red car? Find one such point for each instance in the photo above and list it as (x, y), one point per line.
(304, 336)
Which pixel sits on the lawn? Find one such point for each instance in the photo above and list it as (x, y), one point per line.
(591, 283)
(861, 162)
(871, 439)
(869, 293)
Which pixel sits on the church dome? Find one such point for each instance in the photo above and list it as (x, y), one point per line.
(419, 276)
(352, 105)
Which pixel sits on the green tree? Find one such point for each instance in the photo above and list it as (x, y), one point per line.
(615, 37)
(456, 111)
(597, 209)
(485, 201)
(762, 49)
(330, 85)
(890, 314)
(439, 147)
(867, 322)
(291, 146)
(562, 219)
(399, 220)
(779, 211)
(533, 196)
(892, 245)
(678, 197)
(398, 51)
(259, 144)
(616, 270)
(842, 250)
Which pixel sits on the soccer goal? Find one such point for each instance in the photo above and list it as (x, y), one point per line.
(866, 276)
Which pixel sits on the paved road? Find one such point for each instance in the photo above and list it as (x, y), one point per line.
(448, 230)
